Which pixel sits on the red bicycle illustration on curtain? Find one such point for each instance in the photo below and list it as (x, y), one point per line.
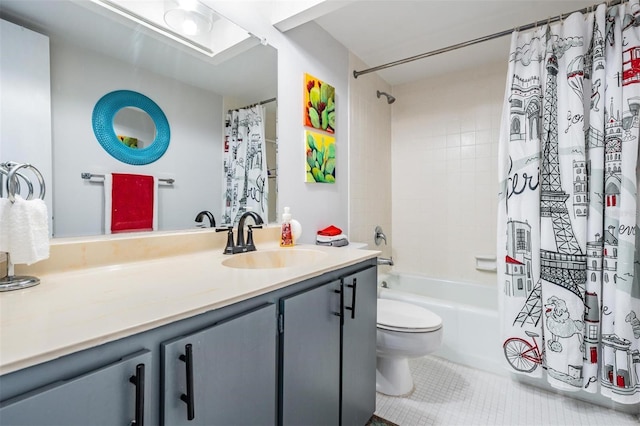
(522, 355)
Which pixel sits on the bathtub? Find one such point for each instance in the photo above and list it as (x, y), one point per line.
(469, 314)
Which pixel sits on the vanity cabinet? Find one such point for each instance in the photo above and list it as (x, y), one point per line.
(296, 355)
(111, 395)
(328, 352)
(224, 374)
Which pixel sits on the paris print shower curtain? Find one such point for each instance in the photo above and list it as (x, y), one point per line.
(245, 184)
(568, 264)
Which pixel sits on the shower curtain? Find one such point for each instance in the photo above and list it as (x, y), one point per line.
(569, 269)
(245, 183)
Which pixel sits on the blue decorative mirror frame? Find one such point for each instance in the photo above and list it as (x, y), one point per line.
(105, 111)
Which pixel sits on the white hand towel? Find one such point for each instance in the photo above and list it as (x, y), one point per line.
(328, 239)
(5, 205)
(28, 230)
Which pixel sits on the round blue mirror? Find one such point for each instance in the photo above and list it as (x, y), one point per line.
(126, 147)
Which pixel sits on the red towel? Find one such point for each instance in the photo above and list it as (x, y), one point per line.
(131, 203)
(330, 231)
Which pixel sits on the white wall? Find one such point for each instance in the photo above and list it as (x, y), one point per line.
(444, 172)
(25, 105)
(79, 78)
(305, 49)
(311, 50)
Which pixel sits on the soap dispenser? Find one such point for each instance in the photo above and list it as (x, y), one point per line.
(286, 234)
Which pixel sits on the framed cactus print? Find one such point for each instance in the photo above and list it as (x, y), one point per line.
(319, 104)
(320, 157)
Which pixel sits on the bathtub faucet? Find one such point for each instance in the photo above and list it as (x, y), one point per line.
(379, 236)
(385, 261)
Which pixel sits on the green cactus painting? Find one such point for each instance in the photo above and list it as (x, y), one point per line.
(319, 104)
(320, 157)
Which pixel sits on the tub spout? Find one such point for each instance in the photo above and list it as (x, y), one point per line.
(385, 261)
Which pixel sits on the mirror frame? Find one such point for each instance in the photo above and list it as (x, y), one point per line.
(104, 113)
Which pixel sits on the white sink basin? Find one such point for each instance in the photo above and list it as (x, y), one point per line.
(278, 258)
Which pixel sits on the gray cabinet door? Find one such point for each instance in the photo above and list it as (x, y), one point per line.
(233, 368)
(359, 348)
(101, 397)
(310, 351)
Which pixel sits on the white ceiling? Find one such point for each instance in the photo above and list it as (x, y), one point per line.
(92, 27)
(382, 31)
(377, 31)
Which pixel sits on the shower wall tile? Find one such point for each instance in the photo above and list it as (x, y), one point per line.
(370, 158)
(444, 137)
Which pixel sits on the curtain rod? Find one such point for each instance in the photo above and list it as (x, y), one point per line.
(266, 101)
(481, 39)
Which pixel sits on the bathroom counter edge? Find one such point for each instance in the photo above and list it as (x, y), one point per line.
(79, 309)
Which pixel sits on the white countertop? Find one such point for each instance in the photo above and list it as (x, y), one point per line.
(75, 310)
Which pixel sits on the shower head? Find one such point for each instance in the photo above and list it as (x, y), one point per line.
(390, 99)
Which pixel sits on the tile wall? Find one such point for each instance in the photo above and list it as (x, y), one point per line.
(370, 158)
(444, 134)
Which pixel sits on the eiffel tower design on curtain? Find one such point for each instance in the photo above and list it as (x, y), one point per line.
(566, 265)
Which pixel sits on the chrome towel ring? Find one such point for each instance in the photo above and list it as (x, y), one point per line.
(11, 169)
(12, 184)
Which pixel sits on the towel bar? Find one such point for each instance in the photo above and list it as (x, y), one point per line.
(85, 175)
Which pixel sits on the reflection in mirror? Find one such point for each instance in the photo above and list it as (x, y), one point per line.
(134, 127)
(124, 147)
(103, 52)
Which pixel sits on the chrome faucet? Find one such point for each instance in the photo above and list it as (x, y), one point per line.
(379, 236)
(385, 261)
(209, 215)
(240, 246)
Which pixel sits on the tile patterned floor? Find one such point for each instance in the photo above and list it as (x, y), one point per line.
(452, 394)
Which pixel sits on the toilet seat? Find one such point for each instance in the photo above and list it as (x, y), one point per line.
(405, 317)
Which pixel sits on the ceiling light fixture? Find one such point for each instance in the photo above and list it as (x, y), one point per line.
(189, 17)
(156, 25)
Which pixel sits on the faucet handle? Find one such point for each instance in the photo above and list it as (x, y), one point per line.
(230, 248)
(250, 245)
(379, 236)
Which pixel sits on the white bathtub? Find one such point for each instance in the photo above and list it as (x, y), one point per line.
(469, 313)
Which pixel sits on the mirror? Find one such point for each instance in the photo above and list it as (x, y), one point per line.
(102, 52)
(131, 127)
(134, 127)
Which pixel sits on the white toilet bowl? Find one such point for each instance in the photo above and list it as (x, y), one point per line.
(404, 331)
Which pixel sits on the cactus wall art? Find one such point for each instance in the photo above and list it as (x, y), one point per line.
(319, 104)
(320, 158)
(320, 114)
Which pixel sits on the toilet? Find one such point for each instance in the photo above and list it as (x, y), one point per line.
(404, 331)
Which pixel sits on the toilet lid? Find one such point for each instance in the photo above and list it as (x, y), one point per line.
(401, 316)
